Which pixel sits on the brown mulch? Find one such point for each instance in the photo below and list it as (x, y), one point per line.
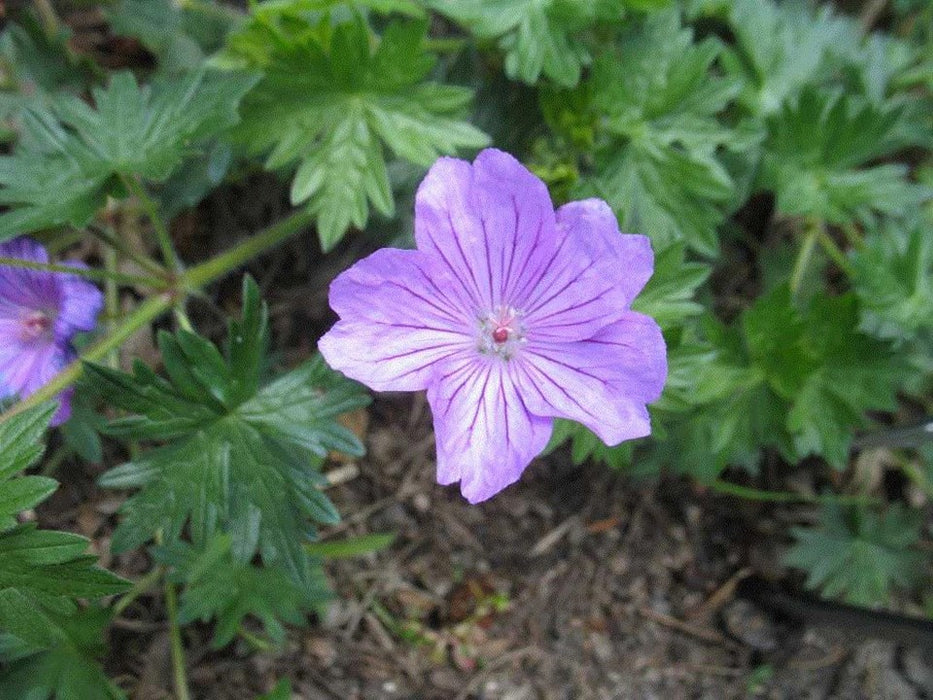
(577, 582)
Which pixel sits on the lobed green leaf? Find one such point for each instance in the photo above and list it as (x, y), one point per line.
(71, 157)
(857, 554)
(242, 458)
(330, 102)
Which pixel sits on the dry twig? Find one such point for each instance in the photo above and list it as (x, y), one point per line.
(703, 633)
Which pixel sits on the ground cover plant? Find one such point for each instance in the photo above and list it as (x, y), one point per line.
(688, 241)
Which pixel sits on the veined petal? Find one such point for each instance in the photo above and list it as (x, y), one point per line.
(485, 434)
(511, 316)
(10, 329)
(520, 228)
(447, 227)
(24, 248)
(491, 222)
(413, 285)
(624, 257)
(572, 298)
(400, 317)
(81, 302)
(603, 382)
(63, 412)
(383, 358)
(23, 288)
(25, 368)
(49, 363)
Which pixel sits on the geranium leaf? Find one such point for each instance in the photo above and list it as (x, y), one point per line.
(330, 103)
(242, 457)
(49, 646)
(72, 156)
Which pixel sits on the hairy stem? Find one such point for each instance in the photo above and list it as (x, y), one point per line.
(855, 239)
(142, 260)
(255, 641)
(50, 23)
(63, 241)
(834, 252)
(143, 585)
(917, 475)
(199, 275)
(105, 275)
(803, 260)
(181, 318)
(112, 300)
(178, 651)
(155, 218)
(753, 494)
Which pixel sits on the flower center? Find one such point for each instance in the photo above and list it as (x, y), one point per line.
(34, 325)
(501, 332)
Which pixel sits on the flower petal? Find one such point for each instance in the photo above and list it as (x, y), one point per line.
(10, 330)
(626, 257)
(572, 299)
(26, 289)
(63, 412)
(81, 302)
(603, 382)
(485, 434)
(401, 317)
(25, 368)
(492, 223)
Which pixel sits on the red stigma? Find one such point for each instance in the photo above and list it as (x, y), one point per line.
(500, 335)
(37, 323)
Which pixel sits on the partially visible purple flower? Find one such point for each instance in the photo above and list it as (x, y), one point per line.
(509, 314)
(40, 312)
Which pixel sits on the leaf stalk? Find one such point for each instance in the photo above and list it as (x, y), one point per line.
(178, 650)
(143, 585)
(106, 275)
(136, 188)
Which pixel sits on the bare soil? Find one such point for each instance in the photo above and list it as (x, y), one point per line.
(577, 582)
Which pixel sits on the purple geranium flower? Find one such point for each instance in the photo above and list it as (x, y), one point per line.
(40, 312)
(509, 315)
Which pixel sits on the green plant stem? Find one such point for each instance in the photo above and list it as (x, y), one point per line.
(855, 239)
(155, 306)
(112, 301)
(48, 17)
(63, 241)
(140, 259)
(917, 475)
(803, 260)
(199, 275)
(155, 218)
(91, 273)
(833, 251)
(178, 651)
(51, 463)
(256, 642)
(753, 494)
(143, 585)
(181, 318)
